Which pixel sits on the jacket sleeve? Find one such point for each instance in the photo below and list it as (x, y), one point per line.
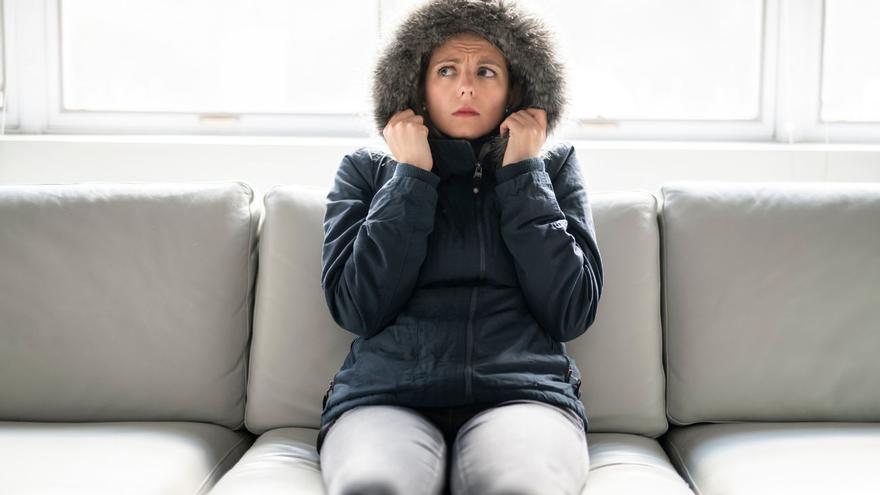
(374, 244)
(548, 228)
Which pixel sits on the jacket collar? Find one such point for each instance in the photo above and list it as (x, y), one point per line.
(455, 156)
(452, 157)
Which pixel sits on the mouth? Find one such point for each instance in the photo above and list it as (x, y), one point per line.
(466, 112)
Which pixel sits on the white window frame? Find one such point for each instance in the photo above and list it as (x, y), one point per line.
(66, 121)
(9, 117)
(788, 113)
(800, 75)
(760, 128)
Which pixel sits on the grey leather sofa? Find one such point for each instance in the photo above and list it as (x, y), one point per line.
(124, 325)
(173, 339)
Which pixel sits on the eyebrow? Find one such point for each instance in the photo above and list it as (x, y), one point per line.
(458, 61)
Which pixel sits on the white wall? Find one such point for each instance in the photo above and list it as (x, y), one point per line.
(265, 161)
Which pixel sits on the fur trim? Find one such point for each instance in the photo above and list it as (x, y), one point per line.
(526, 42)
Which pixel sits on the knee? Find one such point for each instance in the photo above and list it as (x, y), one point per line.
(514, 489)
(527, 482)
(370, 487)
(503, 489)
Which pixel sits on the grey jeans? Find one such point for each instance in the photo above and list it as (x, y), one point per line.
(515, 447)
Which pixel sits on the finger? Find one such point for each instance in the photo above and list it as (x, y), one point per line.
(517, 121)
(515, 124)
(391, 120)
(505, 126)
(540, 115)
(535, 111)
(532, 123)
(400, 115)
(512, 122)
(404, 122)
(405, 114)
(529, 119)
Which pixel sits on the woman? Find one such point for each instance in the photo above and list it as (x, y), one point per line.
(462, 261)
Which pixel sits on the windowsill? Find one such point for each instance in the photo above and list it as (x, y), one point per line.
(361, 141)
(185, 139)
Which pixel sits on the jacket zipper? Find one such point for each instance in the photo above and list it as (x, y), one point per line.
(468, 371)
(478, 176)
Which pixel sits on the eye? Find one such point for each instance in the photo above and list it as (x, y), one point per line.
(492, 72)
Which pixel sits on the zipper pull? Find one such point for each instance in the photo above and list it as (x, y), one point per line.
(327, 393)
(478, 175)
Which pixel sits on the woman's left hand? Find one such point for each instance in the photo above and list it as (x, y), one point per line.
(528, 131)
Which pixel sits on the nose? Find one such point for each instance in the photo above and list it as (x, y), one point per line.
(467, 86)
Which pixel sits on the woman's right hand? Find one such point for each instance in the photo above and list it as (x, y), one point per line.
(407, 137)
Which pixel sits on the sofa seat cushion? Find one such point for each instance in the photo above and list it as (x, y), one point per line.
(772, 458)
(284, 458)
(116, 457)
(279, 461)
(633, 464)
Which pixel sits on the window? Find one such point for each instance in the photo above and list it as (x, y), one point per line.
(2, 75)
(828, 74)
(851, 67)
(637, 67)
(215, 56)
(677, 69)
(756, 70)
(210, 66)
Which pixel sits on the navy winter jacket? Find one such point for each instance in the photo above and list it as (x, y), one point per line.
(462, 284)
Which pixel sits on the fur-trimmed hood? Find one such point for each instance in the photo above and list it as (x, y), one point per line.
(524, 39)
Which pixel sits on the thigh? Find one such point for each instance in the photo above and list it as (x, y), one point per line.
(520, 447)
(383, 449)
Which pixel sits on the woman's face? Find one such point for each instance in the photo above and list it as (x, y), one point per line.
(466, 70)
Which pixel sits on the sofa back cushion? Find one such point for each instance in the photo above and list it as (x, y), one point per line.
(772, 301)
(125, 301)
(297, 347)
(621, 354)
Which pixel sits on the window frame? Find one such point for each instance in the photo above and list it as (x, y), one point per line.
(807, 125)
(788, 113)
(760, 128)
(60, 120)
(9, 118)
